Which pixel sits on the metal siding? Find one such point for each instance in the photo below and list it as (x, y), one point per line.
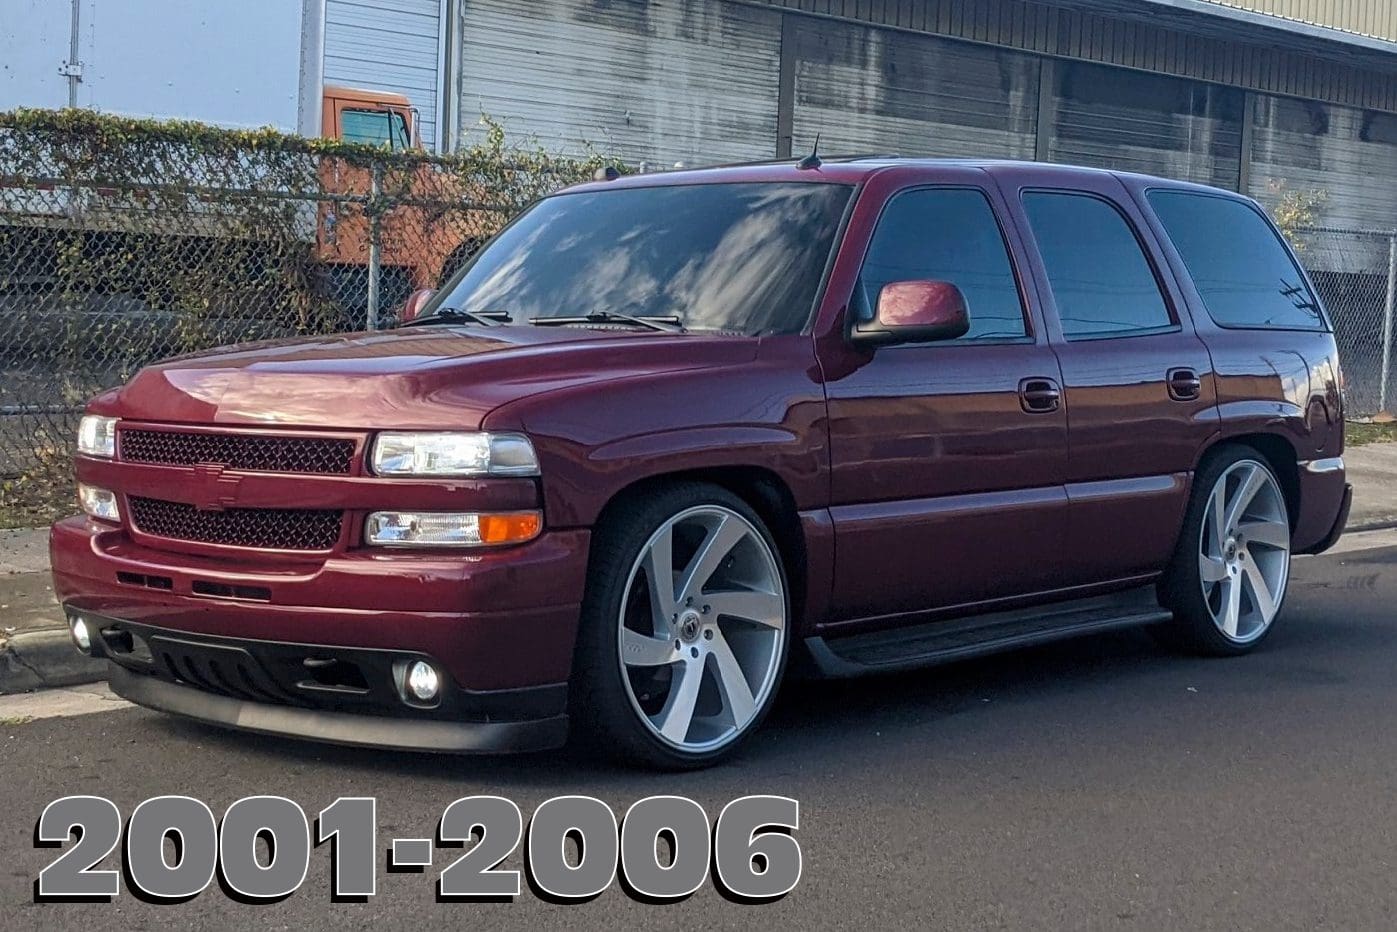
(1348, 154)
(1085, 35)
(1146, 123)
(661, 82)
(1375, 18)
(878, 90)
(387, 45)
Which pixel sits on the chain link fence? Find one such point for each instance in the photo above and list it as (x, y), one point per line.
(1355, 272)
(123, 242)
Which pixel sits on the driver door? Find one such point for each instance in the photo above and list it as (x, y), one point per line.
(949, 458)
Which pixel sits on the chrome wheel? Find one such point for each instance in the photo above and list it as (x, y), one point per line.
(1244, 554)
(702, 628)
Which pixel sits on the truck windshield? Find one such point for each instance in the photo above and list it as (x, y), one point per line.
(742, 257)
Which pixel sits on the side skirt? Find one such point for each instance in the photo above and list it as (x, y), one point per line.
(940, 642)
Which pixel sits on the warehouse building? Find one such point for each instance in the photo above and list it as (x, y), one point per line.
(1261, 96)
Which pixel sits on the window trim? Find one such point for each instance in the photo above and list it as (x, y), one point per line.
(1170, 307)
(1030, 335)
(1326, 323)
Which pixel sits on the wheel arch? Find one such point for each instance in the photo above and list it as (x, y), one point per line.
(1280, 455)
(765, 492)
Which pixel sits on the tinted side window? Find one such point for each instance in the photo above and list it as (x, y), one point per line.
(1242, 271)
(1101, 280)
(946, 234)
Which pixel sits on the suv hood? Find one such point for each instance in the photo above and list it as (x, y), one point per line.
(426, 377)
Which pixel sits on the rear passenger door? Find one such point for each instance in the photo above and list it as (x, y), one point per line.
(1138, 381)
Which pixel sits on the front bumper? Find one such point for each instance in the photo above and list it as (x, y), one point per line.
(309, 648)
(338, 727)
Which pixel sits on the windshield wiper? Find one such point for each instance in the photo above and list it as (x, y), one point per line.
(448, 314)
(668, 324)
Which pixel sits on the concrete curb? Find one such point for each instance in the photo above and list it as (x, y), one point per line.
(44, 659)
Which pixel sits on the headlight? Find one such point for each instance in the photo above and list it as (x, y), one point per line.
(97, 436)
(99, 503)
(453, 454)
(450, 529)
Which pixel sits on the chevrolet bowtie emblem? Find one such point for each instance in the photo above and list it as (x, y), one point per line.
(214, 490)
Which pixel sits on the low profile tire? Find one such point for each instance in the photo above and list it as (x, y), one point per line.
(1230, 573)
(685, 629)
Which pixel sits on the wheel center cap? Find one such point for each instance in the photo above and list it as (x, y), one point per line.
(690, 626)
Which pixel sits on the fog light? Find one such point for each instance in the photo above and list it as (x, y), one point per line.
(99, 503)
(82, 639)
(423, 681)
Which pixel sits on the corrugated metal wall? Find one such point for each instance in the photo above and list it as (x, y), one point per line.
(1145, 123)
(869, 89)
(1349, 155)
(1376, 18)
(665, 81)
(387, 45)
(1089, 36)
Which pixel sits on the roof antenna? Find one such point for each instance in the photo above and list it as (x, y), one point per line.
(813, 159)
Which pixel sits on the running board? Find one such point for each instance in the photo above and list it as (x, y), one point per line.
(960, 639)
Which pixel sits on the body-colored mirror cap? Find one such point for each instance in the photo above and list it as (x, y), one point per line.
(412, 308)
(916, 312)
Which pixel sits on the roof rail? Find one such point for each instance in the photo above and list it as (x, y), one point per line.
(844, 157)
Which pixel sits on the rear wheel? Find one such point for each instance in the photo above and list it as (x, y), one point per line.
(1231, 571)
(684, 629)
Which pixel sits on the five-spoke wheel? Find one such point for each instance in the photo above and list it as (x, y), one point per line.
(1244, 551)
(1232, 567)
(685, 635)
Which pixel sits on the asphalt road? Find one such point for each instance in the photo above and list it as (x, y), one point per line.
(1100, 784)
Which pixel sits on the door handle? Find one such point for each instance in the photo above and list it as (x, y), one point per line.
(1039, 396)
(1184, 385)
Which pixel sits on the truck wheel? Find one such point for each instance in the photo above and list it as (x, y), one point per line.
(1231, 570)
(685, 629)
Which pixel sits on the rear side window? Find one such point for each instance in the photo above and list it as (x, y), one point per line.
(1102, 283)
(946, 234)
(1239, 265)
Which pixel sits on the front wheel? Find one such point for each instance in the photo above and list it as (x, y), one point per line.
(685, 628)
(1231, 570)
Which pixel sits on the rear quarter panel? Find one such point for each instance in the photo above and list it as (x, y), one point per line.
(1284, 384)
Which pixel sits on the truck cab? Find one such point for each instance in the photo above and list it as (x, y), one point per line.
(374, 118)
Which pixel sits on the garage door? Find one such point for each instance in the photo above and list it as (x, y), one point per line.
(875, 90)
(387, 45)
(658, 82)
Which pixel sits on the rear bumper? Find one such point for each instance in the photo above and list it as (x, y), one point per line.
(1325, 498)
(338, 727)
(1337, 530)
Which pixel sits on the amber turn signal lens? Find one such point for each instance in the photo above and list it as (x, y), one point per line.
(510, 528)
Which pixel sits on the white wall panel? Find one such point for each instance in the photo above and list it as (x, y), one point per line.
(387, 45)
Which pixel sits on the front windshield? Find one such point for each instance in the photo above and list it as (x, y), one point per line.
(740, 257)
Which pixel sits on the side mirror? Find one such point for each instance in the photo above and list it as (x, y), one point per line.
(414, 304)
(914, 312)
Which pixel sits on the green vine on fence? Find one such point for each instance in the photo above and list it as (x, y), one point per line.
(123, 241)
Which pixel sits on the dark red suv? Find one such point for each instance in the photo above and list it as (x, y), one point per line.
(668, 435)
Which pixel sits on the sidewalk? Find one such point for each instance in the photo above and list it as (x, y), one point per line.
(35, 651)
(34, 648)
